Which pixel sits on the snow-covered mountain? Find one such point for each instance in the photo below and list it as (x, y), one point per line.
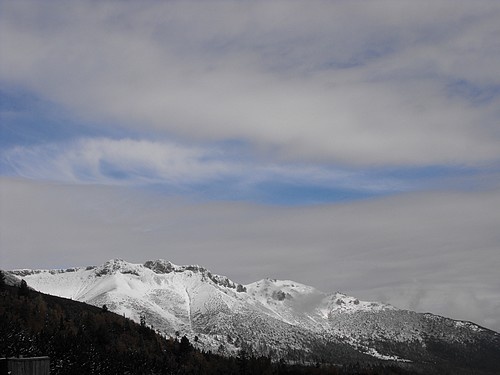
(278, 318)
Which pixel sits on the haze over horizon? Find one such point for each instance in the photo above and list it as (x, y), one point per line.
(347, 145)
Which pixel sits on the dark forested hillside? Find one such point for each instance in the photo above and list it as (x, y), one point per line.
(80, 338)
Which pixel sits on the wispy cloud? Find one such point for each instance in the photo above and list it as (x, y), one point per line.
(182, 168)
(109, 161)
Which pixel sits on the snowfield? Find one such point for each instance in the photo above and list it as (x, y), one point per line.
(277, 318)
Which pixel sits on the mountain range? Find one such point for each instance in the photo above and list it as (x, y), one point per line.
(280, 319)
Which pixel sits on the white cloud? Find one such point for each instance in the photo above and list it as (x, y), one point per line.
(350, 82)
(110, 161)
(434, 252)
(130, 162)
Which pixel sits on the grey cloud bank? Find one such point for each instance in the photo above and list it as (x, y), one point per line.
(430, 252)
(370, 83)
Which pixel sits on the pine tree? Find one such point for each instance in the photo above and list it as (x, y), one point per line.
(23, 291)
(185, 346)
(2, 280)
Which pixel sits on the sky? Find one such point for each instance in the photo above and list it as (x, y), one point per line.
(349, 145)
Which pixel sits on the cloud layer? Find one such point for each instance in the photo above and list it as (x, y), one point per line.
(363, 83)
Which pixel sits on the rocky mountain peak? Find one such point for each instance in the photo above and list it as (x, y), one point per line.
(160, 266)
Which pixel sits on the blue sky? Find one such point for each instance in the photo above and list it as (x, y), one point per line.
(284, 110)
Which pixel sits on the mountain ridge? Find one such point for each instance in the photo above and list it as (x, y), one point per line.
(281, 319)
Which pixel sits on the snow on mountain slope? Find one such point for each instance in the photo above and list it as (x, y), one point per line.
(167, 294)
(278, 318)
(304, 305)
(174, 293)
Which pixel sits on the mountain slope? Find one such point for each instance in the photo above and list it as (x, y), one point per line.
(276, 318)
(84, 339)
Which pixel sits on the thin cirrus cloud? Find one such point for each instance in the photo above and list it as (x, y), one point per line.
(109, 161)
(355, 83)
(181, 168)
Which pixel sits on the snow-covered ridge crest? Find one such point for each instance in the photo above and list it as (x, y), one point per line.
(21, 272)
(226, 317)
(120, 266)
(161, 266)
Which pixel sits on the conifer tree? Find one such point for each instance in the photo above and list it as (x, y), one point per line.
(23, 289)
(2, 280)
